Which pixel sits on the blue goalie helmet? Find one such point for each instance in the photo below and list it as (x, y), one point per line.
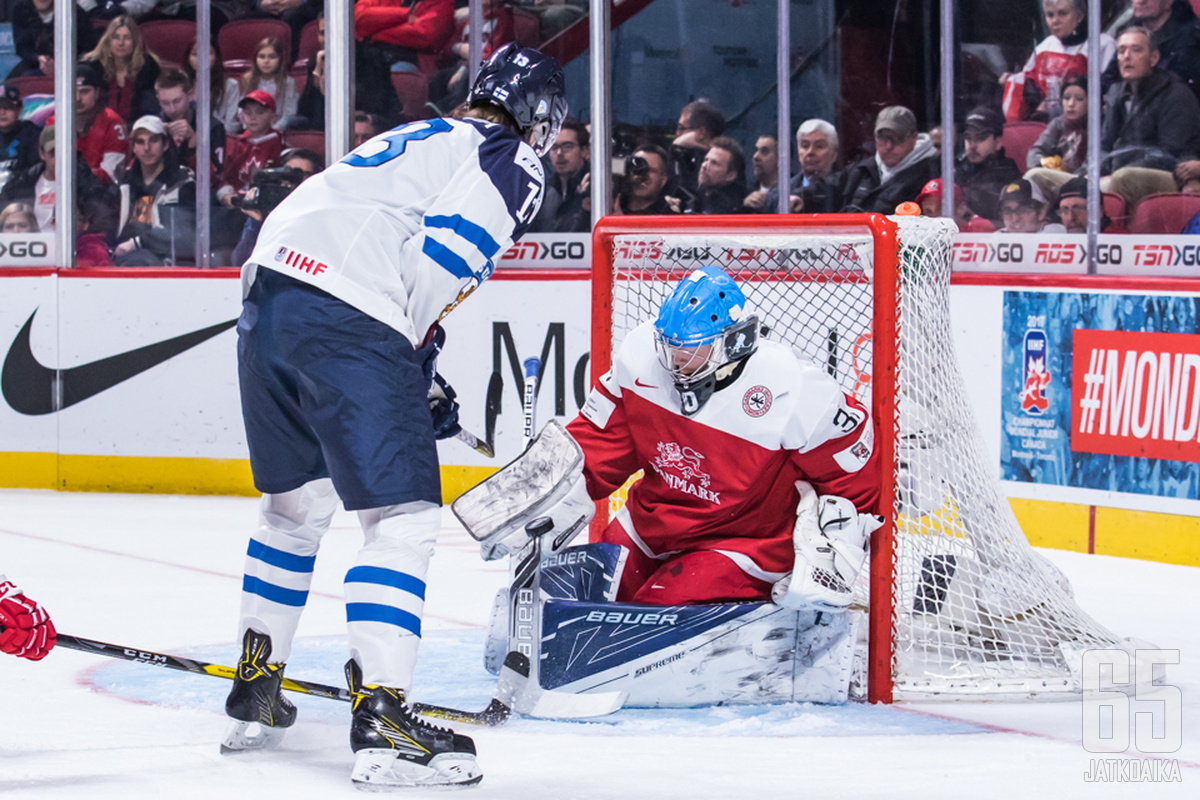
(702, 326)
(529, 86)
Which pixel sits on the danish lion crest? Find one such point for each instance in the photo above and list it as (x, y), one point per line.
(683, 460)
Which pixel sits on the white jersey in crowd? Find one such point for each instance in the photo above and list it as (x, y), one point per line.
(409, 222)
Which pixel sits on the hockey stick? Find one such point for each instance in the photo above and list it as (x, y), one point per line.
(491, 410)
(533, 369)
(510, 688)
(473, 441)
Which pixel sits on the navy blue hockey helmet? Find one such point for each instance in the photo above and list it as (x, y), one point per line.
(529, 86)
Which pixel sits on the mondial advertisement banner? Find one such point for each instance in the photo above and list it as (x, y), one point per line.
(1102, 391)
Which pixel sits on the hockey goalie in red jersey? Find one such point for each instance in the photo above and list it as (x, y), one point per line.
(760, 472)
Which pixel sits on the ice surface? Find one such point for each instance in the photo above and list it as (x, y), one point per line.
(163, 573)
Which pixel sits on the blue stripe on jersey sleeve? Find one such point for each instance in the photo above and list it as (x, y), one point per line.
(374, 612)
(387, 577)
(446, 258)
(467, 230)
(279, 558)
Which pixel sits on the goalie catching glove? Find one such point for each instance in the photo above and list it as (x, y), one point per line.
(830, 538)
(25, 627)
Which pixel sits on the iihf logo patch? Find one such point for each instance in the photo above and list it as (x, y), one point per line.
(756, 401)
(281, 254)
(1037, 376)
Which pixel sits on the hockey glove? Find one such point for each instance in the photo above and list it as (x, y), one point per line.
(830, 539)
(444, 407)
(25, 627)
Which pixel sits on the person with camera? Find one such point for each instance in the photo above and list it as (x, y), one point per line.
(722, 182)
(643, 187)
(157, 193)
(270, 188)
(567, 207)
(259, 146)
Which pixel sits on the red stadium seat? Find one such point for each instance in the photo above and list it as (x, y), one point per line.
(169, 39)
(413, 90)
(1164, 213)
(1018, 138)
(308, 43)
(32, 84)
(238, 39)
(299, 73)
(1116, 211)
(308, 140)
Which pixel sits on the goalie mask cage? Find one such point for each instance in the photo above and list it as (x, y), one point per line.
(959, 603)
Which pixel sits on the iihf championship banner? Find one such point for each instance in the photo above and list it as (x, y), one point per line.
(1102, 391)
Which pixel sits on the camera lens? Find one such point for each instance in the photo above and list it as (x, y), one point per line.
(637, 166)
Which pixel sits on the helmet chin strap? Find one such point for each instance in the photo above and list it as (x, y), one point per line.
(693, 396)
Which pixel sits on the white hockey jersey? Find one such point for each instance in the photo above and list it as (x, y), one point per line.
(408, 223)
(724, 478)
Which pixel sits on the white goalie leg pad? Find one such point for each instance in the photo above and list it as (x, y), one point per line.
(830, 538)
(385, 591)
(280, 559)
(380, 770)
(545, 480)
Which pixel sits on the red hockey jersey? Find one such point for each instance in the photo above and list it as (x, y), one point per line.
(724, 478)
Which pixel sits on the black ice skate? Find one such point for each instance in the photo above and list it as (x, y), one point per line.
(256, 703)
(396, 748)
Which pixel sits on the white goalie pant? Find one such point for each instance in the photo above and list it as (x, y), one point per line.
(384, 590)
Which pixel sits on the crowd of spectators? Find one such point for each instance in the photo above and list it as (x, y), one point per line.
(137, 130)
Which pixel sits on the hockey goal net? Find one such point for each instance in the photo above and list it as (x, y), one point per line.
(959, 603)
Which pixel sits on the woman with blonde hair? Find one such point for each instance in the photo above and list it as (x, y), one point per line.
(268, 71)
(18, 218)
(129, 69)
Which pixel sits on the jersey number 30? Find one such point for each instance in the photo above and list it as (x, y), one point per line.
(397, 141)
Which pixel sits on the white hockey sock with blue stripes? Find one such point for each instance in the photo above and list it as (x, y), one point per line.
(280, 559)
(385, 591)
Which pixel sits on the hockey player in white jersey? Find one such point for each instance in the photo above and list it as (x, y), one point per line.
(760, 474)
(336, 352)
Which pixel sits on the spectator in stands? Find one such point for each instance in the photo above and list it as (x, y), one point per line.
(721, 186)
(1175, 31)
(308, 163)
(642, 189)
(157, 218)
(296, 13)
(765, 162)
(1073, 205)
(36, 185)
(401, 31)
(1023, 209)
(566, 206)
(33, 20)
(174, 90)
(268, 73)
(812, 189)
(1061, 149)
(1035, 92)
(555, 16)
(99, 130)
(930, 201)
(448, 86)
(226, 91)
(93, 217)
(373, 89)
(128, 67)
(699, 123)
(984, 169)
(259, 146)
(18, 218)
(903, 163)
(366, 126)
(1152, 122)
(18, 137)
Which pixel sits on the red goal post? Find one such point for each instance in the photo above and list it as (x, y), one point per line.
(959, 604)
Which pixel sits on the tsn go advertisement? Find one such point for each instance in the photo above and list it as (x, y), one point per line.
(1102, 391)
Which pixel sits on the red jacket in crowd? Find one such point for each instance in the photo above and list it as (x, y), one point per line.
(425, 26)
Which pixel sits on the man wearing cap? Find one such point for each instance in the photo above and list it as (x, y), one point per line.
(904, 161)
(930, 201)
(1073, 205)
(984, 169)
(18, 137)
(259, 146)
(1023, 209)
(100, 132)
(157, 218)
(36, 185)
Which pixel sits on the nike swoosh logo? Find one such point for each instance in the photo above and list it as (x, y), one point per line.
(638, 382)
(29, 387)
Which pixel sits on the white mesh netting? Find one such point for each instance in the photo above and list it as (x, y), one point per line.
(976, 609)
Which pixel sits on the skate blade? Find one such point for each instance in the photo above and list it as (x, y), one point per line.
(241, 737)
(379, 770)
